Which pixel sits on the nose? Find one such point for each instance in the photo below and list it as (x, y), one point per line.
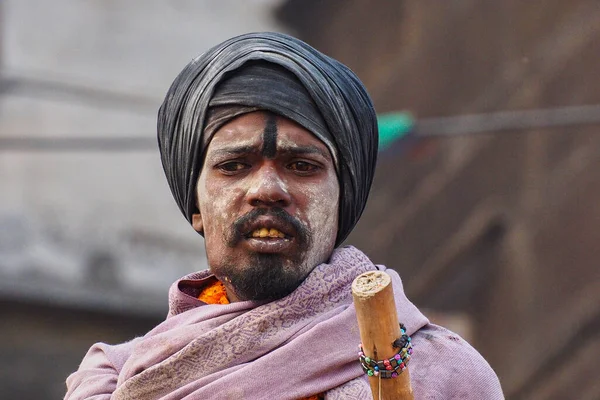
(268, 189)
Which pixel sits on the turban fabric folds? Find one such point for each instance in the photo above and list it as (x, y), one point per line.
(278, 73)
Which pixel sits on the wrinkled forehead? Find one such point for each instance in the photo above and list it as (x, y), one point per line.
(250, 126)
(266, 133)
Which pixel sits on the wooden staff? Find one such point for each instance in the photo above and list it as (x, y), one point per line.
(379, 328)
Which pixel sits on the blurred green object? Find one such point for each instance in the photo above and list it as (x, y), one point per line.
(393, 126)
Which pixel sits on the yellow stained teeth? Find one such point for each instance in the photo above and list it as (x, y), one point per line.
(266, 232)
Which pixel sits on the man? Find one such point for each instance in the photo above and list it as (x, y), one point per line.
(269, 148)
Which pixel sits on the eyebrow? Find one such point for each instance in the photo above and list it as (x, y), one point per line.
(236, 151)
(302, 150)
(288, 150)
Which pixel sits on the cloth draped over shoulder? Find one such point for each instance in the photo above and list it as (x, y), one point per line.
(278, 73)
(295, 347)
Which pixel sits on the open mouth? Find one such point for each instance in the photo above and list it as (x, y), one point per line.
(271, 233)
(268, 239)
(267, 233)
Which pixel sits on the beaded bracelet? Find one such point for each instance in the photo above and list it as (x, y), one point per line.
(390, 367)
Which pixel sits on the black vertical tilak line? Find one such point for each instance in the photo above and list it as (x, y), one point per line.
(270, 137)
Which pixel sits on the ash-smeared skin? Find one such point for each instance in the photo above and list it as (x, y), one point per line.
(266, 184)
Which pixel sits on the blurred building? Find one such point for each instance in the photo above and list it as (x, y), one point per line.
(503, 227)
(90, 237)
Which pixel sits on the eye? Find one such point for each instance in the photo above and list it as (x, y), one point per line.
(232, 167)
(303, 167)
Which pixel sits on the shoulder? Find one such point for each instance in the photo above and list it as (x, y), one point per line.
(98, 372)
(445, 366)
(114, 356)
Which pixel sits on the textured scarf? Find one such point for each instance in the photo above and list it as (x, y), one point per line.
(250, 350)
(288, 349)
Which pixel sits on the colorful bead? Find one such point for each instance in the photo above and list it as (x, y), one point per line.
(390, 367)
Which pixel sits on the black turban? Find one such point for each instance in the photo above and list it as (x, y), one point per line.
(275, 72)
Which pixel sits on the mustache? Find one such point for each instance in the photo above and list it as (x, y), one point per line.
(240, 228)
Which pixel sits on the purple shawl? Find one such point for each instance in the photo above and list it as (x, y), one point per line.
(290, 348)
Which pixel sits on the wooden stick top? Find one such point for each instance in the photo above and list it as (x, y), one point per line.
(370, 283)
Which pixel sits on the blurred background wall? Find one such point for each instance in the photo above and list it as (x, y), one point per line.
(495, 232)
(502, 228)
(90, 237)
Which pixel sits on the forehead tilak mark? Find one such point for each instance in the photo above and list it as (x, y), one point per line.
(270, 137)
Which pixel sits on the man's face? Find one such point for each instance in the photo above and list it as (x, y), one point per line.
(268, 197)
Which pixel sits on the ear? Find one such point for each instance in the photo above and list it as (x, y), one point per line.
(197, 223)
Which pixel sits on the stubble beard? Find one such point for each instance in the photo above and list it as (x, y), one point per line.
(264, 276)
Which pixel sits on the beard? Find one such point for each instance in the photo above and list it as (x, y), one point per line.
(265, 276)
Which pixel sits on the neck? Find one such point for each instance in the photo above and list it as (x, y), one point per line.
(231, 296)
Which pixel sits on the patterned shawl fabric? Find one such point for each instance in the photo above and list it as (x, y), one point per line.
(301, 345)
